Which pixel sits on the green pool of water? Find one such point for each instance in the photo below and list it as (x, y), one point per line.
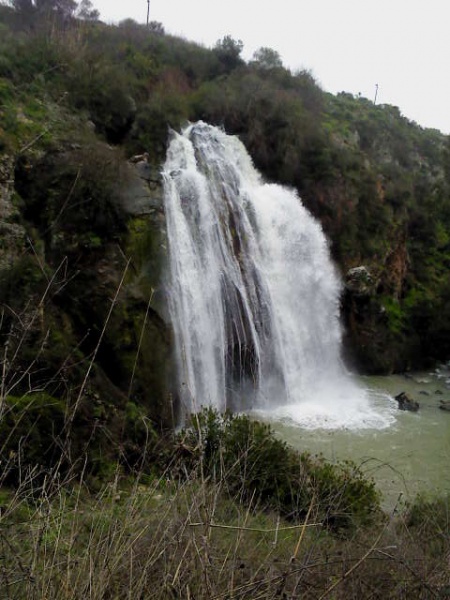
(410, 456)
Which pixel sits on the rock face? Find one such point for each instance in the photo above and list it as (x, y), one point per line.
(396, 270)
(142, 193)
(406, 403)
(367, 343)
(371, 310)
(12, 232)
(359, 281)
(90, 282)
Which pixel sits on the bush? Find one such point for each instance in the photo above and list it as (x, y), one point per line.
(428, 521)
(258, 468)
(167, 107)
(75, 191)
(30, 427)
(103, 90)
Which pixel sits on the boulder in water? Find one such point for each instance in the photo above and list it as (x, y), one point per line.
(444, 405)
(406, 403)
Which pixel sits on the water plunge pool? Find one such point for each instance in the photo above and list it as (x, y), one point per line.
(410, 456)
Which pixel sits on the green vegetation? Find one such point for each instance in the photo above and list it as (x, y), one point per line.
(262, 470)
(32, 422)
(223, 508)
(99, 498)
(371, 176)
(374, 179)
(154, 537)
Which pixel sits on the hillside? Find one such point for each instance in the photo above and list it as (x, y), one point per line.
(83, 239)
(100, 495)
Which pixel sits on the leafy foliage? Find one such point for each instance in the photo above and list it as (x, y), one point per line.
(428, 520)
(228, 51)
(258, 468)
(266, 58)
(30, 427)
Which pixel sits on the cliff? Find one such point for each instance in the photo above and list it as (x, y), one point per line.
(83, 329)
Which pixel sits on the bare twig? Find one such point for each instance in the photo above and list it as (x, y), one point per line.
(238, 528)
(141, 337)
(100, 339)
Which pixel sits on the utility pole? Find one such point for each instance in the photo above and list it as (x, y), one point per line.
(376, 90)
(148, 11)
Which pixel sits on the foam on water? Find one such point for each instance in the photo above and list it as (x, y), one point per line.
(341, 405)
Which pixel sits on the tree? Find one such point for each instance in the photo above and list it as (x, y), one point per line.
(446, 160)
(156, 27)
(228, 51)
(23, 6)
(87, 12)
(266, 58)
(64, 8)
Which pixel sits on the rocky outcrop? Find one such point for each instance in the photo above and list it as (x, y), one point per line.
(406, 403)
(395, 270)
(142, 192)
(372, 312)
(98, 234)
(359, 281)
(368, 345)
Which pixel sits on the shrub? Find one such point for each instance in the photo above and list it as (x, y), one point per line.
(257, 467)
(103, 90)
(75, 192)
(428, 521)
(30, 427)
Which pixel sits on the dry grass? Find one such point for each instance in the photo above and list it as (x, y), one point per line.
(157, 539)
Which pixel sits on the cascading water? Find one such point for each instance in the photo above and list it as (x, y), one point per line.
(253, 294)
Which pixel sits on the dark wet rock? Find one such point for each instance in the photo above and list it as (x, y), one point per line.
(439, 392)
(444, 405)
(359, 281)
(406, 403)
(141, 190)
(424, 393)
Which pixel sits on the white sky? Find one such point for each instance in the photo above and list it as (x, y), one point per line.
(348, 45)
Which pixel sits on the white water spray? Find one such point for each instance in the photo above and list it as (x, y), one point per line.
(253, 294)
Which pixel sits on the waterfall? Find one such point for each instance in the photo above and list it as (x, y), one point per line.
(253, 294)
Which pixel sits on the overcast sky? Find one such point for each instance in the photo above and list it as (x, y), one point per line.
(348, 45)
